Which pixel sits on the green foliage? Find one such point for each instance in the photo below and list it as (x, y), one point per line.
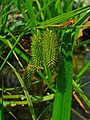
(63, 93)
(1, 102)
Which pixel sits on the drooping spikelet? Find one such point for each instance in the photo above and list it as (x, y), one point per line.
(36, 51)
(29, 71)
(50, 47)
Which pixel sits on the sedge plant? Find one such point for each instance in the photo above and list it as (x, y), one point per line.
(51, 49)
